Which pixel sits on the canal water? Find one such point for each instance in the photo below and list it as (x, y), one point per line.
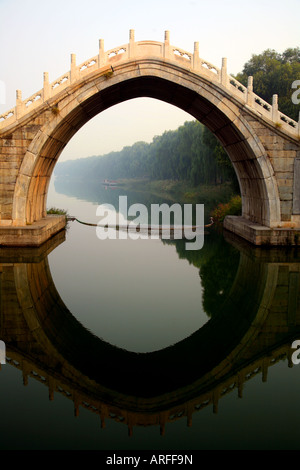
(123, 344)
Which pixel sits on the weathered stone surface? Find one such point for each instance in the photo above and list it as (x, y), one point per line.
(296, 181)
(286, 193)
(32, 235)
(261, 235)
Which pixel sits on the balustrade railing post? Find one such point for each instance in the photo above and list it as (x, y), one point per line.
(240, 384)
(196, 58)
(264, 370)
(19, 104)
(101, 58)
(224, 76)
(73, 68)
(250, 99)
(76, 405)
(46, 88)
(167, 45)
(299, 125)
(275, 115)
(131, 45)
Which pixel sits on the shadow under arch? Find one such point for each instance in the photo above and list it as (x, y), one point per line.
(181, 88)
(145, 382)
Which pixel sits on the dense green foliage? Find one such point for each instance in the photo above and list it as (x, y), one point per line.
(274, 73)
(189, 153)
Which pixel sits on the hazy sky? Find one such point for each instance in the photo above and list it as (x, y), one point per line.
(38, 36)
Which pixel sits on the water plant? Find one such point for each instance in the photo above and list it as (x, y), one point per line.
(233, 207)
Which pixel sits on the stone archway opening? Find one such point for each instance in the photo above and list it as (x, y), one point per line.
(229, 127)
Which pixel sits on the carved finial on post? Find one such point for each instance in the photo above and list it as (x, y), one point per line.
(162, 429)
(250, 83)
(240, 385)
(18, 97)
(224, 72)
(215, 400)
(189, 417)
(167, 44)
(18, 103)
(46, 86)
(196, 55)
(101, 52)
(51, 394)
(25, 378)
(103, 415)
(264, 368)
(131, 44)
(73, 68)
(275, 108)
(250, 91)
(131, 35)
(2, 353)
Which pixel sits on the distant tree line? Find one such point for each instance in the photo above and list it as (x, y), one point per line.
(190, 153)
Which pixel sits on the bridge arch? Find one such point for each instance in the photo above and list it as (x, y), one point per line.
(164, 80)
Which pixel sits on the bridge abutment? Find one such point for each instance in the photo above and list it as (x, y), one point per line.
(260, 234)
(34, 234)
(283, 153)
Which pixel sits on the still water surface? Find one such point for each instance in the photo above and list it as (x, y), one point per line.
(151, 346)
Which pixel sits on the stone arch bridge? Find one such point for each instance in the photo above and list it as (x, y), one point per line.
(262, 143)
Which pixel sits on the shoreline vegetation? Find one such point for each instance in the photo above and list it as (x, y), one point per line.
(57, 211)
(179, 191)
(221, 199)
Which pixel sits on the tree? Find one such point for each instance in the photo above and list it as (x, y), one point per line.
(273, 73)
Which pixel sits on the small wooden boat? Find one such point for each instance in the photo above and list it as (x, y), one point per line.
(109, 183)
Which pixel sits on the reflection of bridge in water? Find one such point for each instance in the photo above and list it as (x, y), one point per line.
(254, 330)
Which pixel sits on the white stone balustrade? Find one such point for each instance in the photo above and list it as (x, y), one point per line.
(151, 49)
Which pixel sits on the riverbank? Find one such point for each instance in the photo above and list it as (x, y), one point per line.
(181, 191)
